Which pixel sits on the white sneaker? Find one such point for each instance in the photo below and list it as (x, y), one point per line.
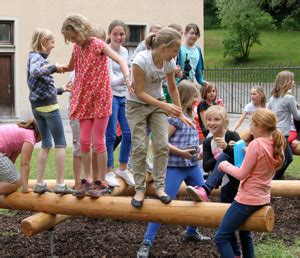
(127, 176)
(111, 179)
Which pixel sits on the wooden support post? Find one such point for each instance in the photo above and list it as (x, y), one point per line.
(40, 222)
(177, 212)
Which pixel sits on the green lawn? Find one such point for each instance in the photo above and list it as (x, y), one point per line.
(278, 47)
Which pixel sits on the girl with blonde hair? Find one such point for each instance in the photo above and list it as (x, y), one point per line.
(43, 99)
(284, 105)
(91, 100)
(148, 108)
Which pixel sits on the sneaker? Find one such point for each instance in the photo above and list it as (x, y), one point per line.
(99, 188)
(127, 176)
(195, 237)
(84, 186)
(197, 193)
(111, 179)
(41, 188)
(144, 249)
(63, 189)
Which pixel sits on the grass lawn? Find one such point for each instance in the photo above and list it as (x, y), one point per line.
(277, 47)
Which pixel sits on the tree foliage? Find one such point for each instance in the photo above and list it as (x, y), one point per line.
(244, 20)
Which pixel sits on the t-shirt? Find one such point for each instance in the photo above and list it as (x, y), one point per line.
(203, 106)
(153, 75)
(12, 138)
(250, 108)
(116, 76)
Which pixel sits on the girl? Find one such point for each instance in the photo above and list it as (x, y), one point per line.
(147, 108)
(258, 100)
(283, 104)
(45, 108)
(91, 97)
(15, 140)
(117, 32)
(217, 148)
(183, 163)
(209, 96)
(264, 155)
(190, 57)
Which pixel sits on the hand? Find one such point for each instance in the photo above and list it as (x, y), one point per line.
(178, 72)
(231, 143)
(188, 153)
(68, 86)
(172, 109)
(59, 68)
(186, 121)
(131, 88)
(220, 143)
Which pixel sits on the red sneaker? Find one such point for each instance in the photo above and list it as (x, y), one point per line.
(99, 188)
(197, 193)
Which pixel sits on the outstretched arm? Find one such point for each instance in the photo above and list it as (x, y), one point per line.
(26, 153)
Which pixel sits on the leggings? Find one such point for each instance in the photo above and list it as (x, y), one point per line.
(87, 126)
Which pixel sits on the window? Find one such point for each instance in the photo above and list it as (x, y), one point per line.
(6, 33)
(136, 35)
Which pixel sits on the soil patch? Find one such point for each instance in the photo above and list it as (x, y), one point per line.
(105, 237)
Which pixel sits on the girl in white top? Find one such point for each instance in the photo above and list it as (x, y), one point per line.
(147, 108)
(258, 100)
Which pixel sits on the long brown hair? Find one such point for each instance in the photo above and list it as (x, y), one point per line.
(31, 125)
(283, 83)
(260, 91)
(267, 120)
(187, 91)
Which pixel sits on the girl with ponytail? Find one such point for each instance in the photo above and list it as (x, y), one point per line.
(264, 155)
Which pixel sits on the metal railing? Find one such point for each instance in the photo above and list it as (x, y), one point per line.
(234, 84)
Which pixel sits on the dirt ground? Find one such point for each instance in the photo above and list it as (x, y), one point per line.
(104, 237)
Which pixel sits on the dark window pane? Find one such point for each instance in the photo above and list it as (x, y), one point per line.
(5, 32)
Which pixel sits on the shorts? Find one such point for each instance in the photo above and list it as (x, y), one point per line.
(76, 139)
(8, 171)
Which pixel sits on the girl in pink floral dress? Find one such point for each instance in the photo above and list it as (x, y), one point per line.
(91, 100)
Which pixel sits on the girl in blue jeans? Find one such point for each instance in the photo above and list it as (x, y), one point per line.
(45, 108)
(117, 33)
(183, 164)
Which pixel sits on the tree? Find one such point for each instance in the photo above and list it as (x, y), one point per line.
(243, 20)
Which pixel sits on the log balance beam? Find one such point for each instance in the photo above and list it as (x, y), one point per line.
(177, 212)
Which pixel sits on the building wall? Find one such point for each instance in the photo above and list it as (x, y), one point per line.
(31, 14)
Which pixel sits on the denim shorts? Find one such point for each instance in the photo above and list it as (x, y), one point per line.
(50, 125)
(8, 171)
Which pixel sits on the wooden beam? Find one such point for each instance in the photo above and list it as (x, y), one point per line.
(40, 222)
(177, 212)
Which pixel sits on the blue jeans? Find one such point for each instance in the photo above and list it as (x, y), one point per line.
(288, 154)
(228, 191)
(118, 114)
(50, 125)
(174, 177)
(235, 216)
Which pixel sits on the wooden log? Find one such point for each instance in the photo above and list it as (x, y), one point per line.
(40, 222)
(283, 188)
(177, 212)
